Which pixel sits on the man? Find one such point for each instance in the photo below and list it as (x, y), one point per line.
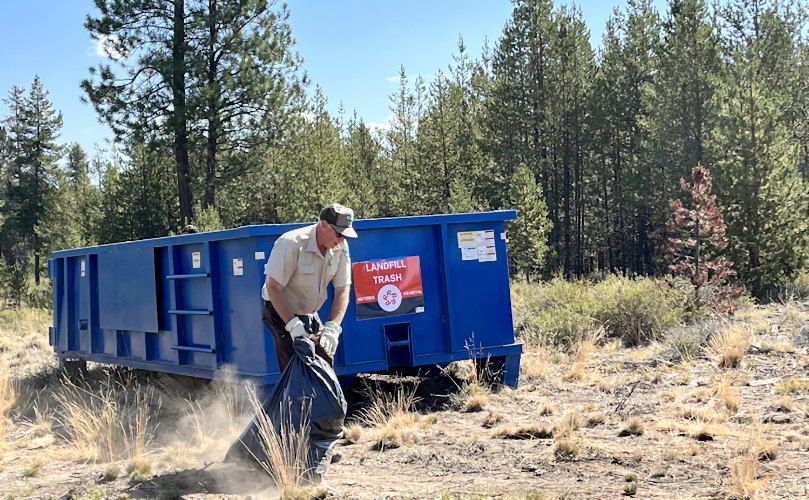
(301, 265)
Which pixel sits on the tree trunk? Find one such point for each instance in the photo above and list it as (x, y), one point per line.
(209, 196)
(180, 119)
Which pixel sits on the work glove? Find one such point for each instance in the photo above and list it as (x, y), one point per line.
(329, 337)
(295, 328)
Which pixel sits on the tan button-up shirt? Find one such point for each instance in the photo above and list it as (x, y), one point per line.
(296, 263)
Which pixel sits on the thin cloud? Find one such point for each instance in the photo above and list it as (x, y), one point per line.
(392, 78)
(384, 126)
(105, 47)
(309, 116)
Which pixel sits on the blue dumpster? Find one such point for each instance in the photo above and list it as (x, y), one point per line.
(427, 290)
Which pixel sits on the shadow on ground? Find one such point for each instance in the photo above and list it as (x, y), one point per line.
(217, 478)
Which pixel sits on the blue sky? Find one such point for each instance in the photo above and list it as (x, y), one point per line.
(350, 48)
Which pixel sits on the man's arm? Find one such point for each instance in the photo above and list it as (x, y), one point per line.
(339, 304)
(279, 300)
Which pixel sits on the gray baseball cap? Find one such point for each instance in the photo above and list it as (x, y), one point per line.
(340, 218)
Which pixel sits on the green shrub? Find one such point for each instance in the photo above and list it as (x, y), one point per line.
(562, 313)
(637, 310)
(688, 340)
(558, 313)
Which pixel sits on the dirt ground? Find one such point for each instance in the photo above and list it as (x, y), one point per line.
(622, 421)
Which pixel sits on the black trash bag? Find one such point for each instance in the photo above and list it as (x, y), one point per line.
(308, 393)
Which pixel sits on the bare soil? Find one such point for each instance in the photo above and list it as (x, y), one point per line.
(692, 433)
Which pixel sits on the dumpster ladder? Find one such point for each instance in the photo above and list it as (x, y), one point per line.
(186, 352)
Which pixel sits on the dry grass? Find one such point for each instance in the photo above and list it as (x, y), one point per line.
(34, 468)
(390, 418)
(110, 422)
(594, 419)
(565, 448)
(206, 428)
(286, 451)
(531, 431)
(493, 419)
(726, 394)
(702, 430)
(568, 424)
(534, 365)
(8, 396)
(744, 483)
(729, 345)
(582, 353)
(633, 427)
(791, 385)
(547, 409)
(353, 433)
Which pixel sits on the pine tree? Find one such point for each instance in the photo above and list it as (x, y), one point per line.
(760, 185)
(34, 195)
(684, 112)
(245, 80)
(527, 235)
(696, 238)
(148, 41)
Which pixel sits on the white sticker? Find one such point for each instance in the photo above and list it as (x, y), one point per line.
(196, 260)
(83, 268)
(478, 245)
(259, 255)
(420, 309)
(238, 267)
(503, 236)
(467, 242)
(487, 252)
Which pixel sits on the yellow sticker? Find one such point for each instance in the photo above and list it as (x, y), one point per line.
(196, 260)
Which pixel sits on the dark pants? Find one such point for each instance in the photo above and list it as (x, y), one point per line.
(283, 341)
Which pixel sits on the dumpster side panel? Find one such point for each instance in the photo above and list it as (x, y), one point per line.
(243, 336)
(478, 297)
(364, 341)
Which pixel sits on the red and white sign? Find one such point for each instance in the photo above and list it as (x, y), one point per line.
(388, 287)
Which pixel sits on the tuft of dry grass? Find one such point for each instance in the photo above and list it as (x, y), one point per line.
(139, 470)
(791, 385)
(286, 451)
(595, 418)
(726, 394)
(763, 449)
(744, 483)
(729, 345)
(110, 422)
(477, 398)
(565, 448)
(353, 433)
(34, 468)
(493, 419)
(8, 397)
(530, 431)
(547, 409)
(702, 430)
(632, 427)
(390, 418)
(534, 365)
(568, 424)
(583, 351)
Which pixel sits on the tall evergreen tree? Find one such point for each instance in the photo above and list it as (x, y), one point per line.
(527, 234)
(246, 78)
(148, 41)
(760, 185)
(684, 111)
(37, 177)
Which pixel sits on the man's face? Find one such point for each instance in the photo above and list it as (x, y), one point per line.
(329, 236)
